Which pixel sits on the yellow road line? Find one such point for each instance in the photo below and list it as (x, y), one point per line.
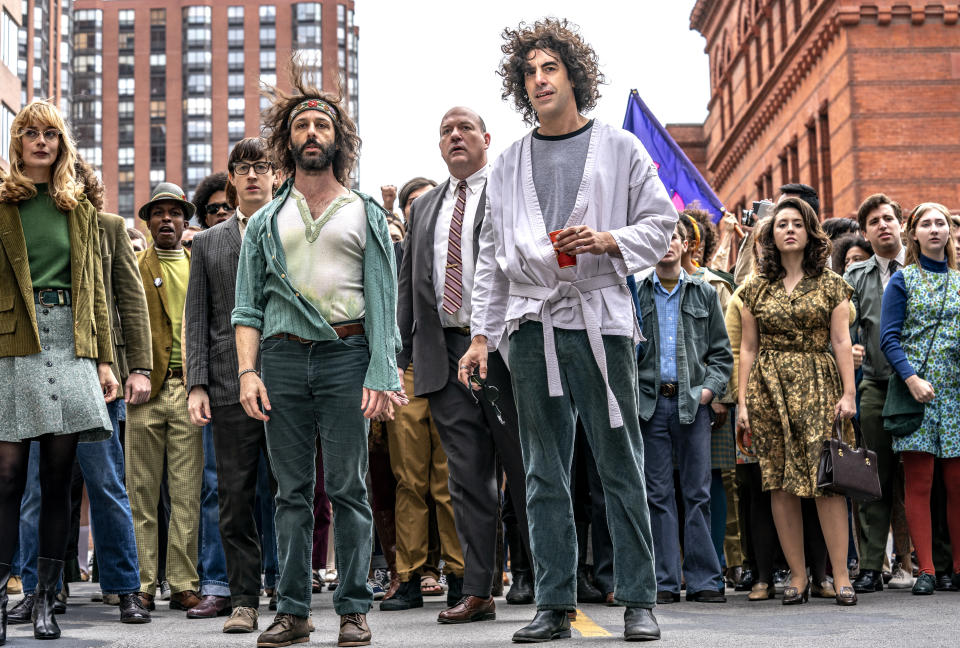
(586, 626)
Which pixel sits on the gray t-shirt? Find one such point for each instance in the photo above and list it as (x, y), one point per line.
(558, 162)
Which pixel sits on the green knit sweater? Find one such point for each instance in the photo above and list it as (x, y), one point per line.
(47, 236)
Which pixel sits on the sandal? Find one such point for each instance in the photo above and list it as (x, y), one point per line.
(430, 587)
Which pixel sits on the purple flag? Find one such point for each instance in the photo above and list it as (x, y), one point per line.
(683, 181)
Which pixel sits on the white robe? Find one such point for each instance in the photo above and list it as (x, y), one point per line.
(517, 277)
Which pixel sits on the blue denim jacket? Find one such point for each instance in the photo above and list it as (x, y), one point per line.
(267, 301)
(704, 357)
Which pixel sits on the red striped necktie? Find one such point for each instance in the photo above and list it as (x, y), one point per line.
(453, 279)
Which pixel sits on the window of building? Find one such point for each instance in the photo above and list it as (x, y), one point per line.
(309, 11)
(91, 85)
(197, 173)
(125, 18)
(269, 78)
(198, 83)
(88, 64)
(199, 153)
(235, 60)
(235, 82)
(235, 37)
(125, 155)
(268, 14)
(268, 60)
(235, 15)
(92, 155)
(126, 176)
(158, 109)
(125, 132)
(125, 203)
(125, 86)
(158, 17)
(125, 63)
(88, 15)
(199, 58)
(307, 35)
(9, 34)
(158, 60)
(199, 106)
(235, 106)
(199, 128)
(158, 86)
(311, 58)
(157, 176)
(125, 109)
(198, 36)
(6, 120)
(125, 41)
(236, 129)
(84, 108)
(197, 15)
(268, 36)
(158, 39)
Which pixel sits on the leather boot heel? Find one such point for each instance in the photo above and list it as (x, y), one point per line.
(44, 621)
(4, 579)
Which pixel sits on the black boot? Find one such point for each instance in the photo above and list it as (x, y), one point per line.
(408, 596)
(22, 612)
(521, 591)
(44, 622)
(587, 592)
(4, 577)
(546, 626)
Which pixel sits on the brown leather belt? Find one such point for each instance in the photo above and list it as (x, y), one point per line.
(668, 390)
(461, 330)
(342, 331)
(175, 373)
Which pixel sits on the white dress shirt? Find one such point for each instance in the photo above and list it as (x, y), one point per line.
(884, 265)
(441, 237)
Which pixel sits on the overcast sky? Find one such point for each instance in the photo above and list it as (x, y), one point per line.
(420, 57)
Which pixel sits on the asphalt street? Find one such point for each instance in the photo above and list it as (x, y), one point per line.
(891, 618)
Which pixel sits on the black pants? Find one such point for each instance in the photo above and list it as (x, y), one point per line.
(472, 437)
(239, 440)
(757, 519)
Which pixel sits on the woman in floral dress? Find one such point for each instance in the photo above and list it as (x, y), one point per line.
(790, 386)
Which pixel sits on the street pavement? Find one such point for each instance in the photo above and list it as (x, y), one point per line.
(890, 618)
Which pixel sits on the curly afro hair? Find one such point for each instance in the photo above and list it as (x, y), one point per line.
(560, 38)
(201, 196)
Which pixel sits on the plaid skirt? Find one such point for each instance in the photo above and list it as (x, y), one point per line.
(54, 391)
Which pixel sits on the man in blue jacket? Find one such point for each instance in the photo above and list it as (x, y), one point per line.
(685, 364)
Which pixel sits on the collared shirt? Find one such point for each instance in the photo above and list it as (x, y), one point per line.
(242, 221)
(475, 184)
(667, 304)
(884, 265)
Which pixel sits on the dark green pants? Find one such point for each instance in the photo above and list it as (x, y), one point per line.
(875, 516)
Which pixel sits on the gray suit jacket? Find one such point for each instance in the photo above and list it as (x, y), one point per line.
(417, 315)
(211, 349)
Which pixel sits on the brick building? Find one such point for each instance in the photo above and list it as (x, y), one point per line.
(162, 89)
(850, 97)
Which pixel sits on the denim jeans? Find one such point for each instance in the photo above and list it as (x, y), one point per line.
(103, 473)
(268, 529)
(316, 389)
(664, 438)
(212, 563)
(547, 433)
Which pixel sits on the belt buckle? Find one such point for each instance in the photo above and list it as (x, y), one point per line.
(669, 390)
(58, 292)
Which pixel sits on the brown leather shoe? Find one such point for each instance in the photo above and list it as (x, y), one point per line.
(243, 619)
(185, 600)
(354, 630)
(210, 607)
(469, 609)
(146, 601)
(285, 630)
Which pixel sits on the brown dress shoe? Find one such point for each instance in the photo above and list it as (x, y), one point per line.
(285, 630)
(185, 600)
(470, 608)
(354, 630)
(210, 607)
(146, 601)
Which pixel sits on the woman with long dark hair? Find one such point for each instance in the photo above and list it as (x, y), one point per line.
(920, 337)
(55, 344)
(790, 386)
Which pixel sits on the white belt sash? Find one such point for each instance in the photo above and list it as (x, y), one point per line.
(576, 289)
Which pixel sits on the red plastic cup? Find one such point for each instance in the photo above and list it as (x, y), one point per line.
(564, 260)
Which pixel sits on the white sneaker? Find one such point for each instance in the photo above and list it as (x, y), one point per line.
(900, 579)
(164, 591)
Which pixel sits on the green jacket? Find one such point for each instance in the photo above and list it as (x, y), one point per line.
(18, 318)
(267, 301)
(704, 357)
(125, 298)
(867, 297)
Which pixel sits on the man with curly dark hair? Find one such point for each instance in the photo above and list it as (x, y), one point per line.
(210, 199)
(317, 282)
(559, 239)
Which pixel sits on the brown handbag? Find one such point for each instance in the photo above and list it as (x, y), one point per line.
(849, 471)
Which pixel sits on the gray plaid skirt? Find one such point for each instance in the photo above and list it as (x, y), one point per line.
(54, 391)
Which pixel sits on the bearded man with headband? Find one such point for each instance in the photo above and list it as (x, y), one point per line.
(317, 294)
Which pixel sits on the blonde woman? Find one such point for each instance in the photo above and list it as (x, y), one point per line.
(55, 345)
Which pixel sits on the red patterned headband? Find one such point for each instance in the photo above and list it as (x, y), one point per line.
(313, 104)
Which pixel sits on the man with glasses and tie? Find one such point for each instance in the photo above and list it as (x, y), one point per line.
(436, 282)
(210, 199)
(233, 441)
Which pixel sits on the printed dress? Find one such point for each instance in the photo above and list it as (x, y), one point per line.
(939, 433)
(794, 383)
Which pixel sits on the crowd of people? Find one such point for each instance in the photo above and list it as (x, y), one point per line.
(612, 402)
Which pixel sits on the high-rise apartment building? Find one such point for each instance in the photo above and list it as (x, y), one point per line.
(162, 89)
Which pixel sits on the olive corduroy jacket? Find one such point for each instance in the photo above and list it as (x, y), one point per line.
(18, 320)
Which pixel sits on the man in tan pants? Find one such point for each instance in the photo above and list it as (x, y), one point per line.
(160, 428)
(419, 465)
